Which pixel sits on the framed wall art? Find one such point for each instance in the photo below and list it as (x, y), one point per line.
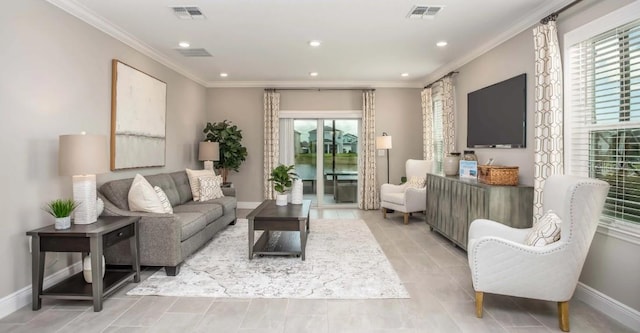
(138, 118)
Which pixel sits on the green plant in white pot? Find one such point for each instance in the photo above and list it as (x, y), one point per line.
(61, 210)
(282, 177)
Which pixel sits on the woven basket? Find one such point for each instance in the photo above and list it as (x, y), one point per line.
(498, 175)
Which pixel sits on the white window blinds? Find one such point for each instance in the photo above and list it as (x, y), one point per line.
(605, 116)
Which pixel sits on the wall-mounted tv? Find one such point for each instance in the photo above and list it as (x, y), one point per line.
(497, 115)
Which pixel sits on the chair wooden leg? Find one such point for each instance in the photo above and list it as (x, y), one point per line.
(384, 213)
(479, 299)
(406, 218)
(563, 315)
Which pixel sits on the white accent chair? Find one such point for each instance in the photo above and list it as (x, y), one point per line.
(403, 198)
(502, 264)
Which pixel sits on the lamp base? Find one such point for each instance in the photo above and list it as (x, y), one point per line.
(84, 193)
(208, 165)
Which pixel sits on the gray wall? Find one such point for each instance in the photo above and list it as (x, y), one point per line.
(56, 79)
(612, 266)
(398, 112)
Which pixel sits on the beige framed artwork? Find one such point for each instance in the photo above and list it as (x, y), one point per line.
(138, 118)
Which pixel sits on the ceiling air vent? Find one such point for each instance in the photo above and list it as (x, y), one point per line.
(194, 52)
(188, 12)
(420, 12)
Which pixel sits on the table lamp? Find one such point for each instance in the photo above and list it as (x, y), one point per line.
(208, 152)
(384, 142)
(82, 156)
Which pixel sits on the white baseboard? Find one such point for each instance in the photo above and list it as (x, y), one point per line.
(22, 297)
(248, 204)
(609, 306)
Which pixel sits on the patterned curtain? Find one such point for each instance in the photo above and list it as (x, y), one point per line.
(271, 138)
(427, 124)
(548, 158)
(448, 116)
(367, 187)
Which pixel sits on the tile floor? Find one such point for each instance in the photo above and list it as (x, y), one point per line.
(434, 272)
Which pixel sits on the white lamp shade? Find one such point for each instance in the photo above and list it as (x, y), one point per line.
(82, 154)
(383, 142)
(209, 151)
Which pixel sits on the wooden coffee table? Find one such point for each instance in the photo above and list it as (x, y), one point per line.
(270, 217)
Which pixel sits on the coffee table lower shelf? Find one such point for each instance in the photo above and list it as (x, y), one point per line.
(287, 244)
(75, 288)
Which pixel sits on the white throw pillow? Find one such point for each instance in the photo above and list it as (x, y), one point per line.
(546, 231)
(210, 188)
(193, 181)
(416, 182)
(166, 205)
(143, 198)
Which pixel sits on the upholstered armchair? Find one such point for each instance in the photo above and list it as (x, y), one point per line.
(502, 264)
(409, 197)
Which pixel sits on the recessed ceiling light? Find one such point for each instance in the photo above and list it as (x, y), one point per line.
(184, 44)
(313, 74)
(441, 43)
(315, 43)
(224, 74)
(404, 74)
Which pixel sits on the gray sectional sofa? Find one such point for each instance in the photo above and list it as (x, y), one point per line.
(167, 239)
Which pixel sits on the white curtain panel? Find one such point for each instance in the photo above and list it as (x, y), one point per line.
(287, 143)
(549, 151)
(448, 116)
(367, 187)
(271, 139)
(427, 124)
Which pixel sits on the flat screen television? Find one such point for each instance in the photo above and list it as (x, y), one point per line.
(497, 115)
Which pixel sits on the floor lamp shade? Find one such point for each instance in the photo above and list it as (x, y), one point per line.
(83, 156)
(208, 152)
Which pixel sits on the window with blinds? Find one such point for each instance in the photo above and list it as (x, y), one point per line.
(605, 116)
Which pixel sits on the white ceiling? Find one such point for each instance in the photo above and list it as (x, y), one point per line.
(264, 42)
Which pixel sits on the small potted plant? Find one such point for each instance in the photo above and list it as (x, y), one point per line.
(61, 209)
(282, 177)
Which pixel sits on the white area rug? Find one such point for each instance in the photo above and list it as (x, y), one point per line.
(343, 261)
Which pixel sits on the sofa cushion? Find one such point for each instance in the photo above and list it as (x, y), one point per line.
(182, 186)
(210, 210)
(396, 197)
(166, 183)
(229, 204)
(117, 192)
(191, 222)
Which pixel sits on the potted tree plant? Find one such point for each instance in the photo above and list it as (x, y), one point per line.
(229, 138)
(61, 210)
(282, 177)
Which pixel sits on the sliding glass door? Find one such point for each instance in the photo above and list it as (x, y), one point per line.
(327, 160)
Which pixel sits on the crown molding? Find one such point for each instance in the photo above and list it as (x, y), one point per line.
(523, 23)
(315, 84)
(88, 16)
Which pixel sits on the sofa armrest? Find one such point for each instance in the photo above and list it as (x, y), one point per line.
(229, 191)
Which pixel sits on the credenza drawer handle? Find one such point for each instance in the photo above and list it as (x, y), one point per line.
(120, 234)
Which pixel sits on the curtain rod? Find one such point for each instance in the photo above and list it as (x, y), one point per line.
(553, 16)
(319, 89)
(438, 80)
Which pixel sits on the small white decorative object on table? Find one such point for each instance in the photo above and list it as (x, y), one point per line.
(296, 192)
(86, 268)
(281, 199)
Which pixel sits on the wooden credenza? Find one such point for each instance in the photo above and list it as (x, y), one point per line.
(453, 203)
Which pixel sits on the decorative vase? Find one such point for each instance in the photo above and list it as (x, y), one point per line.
(99, 207)
(86, 268)
(470, 155)
(281, 199)
(451, 164)
(296, 192)
(62, 223)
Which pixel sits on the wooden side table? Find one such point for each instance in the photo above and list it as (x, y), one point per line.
(84, 238)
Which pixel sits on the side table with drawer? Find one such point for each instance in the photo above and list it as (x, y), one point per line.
(84, 238)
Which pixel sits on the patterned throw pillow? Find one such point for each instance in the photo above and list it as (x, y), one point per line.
(416, 182)
(210, 188)
(193, 181)
(166, 205)
(546, 231)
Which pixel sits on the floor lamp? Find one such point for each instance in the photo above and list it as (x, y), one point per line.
(208, 152)
(384, 142)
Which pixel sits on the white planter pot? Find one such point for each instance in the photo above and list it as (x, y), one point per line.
(86, 268)
(62, 223)
(281, 199)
